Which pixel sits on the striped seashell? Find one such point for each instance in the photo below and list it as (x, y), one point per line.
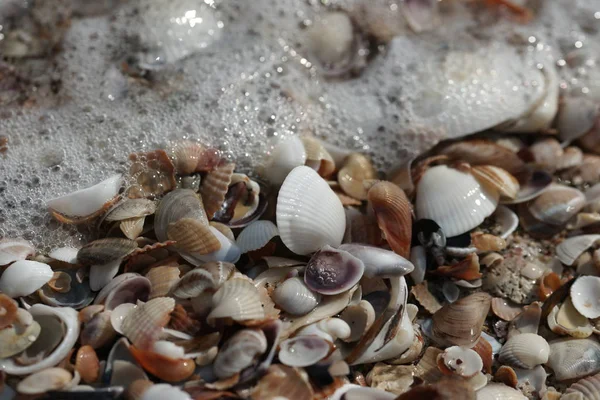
(162, 280)
(237, 299)
(144, 325)
(214, 188)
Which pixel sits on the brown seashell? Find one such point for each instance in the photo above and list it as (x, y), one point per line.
(507, 375)
(214, 188)
(505, 309)
(162, 280)
(394, 215)
(356, 169)
(484, 349)
(60, 282)
(183, 322)
(154, 173)
(189, 157)
(87, 364)
(137, 388)
(150, 256)
(143, 326)
(180, 203)
(132, 227)
(87, 313)
(165, 368)
(467, 269)
(317, 157)
(427, 368)
(548, 284)
(103, 251)
(484, 242)
(283, 381)
(224, 229)
(425, 297)
(447, 388)
(482, 152)
(193, 236)
(498, 179)
(556, 205)
(460, 323)
(98, 331)
(8, 311)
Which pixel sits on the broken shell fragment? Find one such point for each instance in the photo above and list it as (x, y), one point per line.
(525, 351)
(294, 297)
(460, 323)
(131, 208)
(143, 326)
(8, 311)
(17, 338)
(497, 178)
(571, 248)
(332, 271)
(360, 317)
(24, 277)
(566, 320)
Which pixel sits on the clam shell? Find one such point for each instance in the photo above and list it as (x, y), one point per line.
(44, 381)
(125, 288)
(131, 208)
(303, 351)
(505, 309)
(294, 297)
(143, 326)
(588, 387)
(16, 338)
(160, 391)
(87, 364)
(165, 368)
(14, 250)
(460, 323)
(288, 154)
(256, 236)
(525, 351)
(317, 157)
(574, 358)
(566, 320)
(576, 116)
(89, 201)
(497, 178)
(584, 295)
(214, 188)
(175, 205)
(360, 317)
(557, 205)
(331, 271)
(193, 236)
(103, 251)
(98, 331)
(499, 391)
(118, 315)
(237, 299)
(526, 322)
(239, 352)
(309, 214)
(465, 203)
(283, 381)
(24, 277)
(461, 361)
(162, 280)
(571, 248)
(393, 211)
(8, 311)
(228, 251)
(65, 254)
(356, 170)
(133, 227)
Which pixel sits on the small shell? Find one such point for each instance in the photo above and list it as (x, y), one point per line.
(465, 203)
(162, 280)
(588, 387)
(332, 271)
(154, 174)
(330, 329)
(16, 338)
(118, 315)
(584, 294)
(396, 379)
(505, 309)
(87, 364)
(182, 321)
(481, 152)
(287, 154)
(103, 251)
(317, 157)
(64, 254)
(237, 299)
(460, 323)
(303, 351)
(175, 205)
(24, 277)
(256, 236)
(14, 250)
(189, 157)
(194, 283)
(486, 352)
(360, 317)
(497, 178)
(356, 170)
(214, 188)
(125, 288)
(484, 242)
(8, 311)
(393, 211)
(239, 352)
(574, 358)
(418, 257)
(102, 274)
(571, 248)
(283, 381)
(132, 227)
(557, 205)
(131, 208)
(507, 220)
(165, 368)
(66, 291)
(525, 351)
(379, 262)
(193, 236)
(98, 331)
(565, 320)
(498, 391)
(294, 297)
(143, 326)
(467, 269)
(44, 381)
(461, 361)
(526, 322)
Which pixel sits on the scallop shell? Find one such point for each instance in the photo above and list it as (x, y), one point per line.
(144, 325)
(287, 154)
(239, 352)
(165, 368)
(294, 297)
(283, 381)
(24, 277)
(193, 283)
(499, 391)
(461, 361)
(131, 208)
(175, 205)
(87, 364)
(133, 227)
(393, 211)
(331, 271)
(303, 351)
(460, 323)
(574, 358)
(360, 317)
(193, 236)
(557, 205)
(237, 299)
(214, 188)
(465, 203)
(104, 251)
(228, 251)
(571, 248)
(317, 157)
(187, 156)
(309, 214)
(256, 236)
(584, 294)
(14, 250)
(162, 280)
(588, 387)
(497, 178)
(357, 169)
(44, 381)
(525, 351)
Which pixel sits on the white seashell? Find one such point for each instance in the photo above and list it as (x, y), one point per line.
(360, 318)
(418, 257)
(574, 358)
(331, 37)
(64, 254)
(131, 208)
(379, 262)
(288, 154)
(571, 248)
(499, 391)
(118, 315)
(303, 351)
(507, 219)
(584, 295)
(531, 380)
(87, 201)
(330, 329)
(101, 275)
(557, 204)
(24, 277)
(46, 380)
(168, 349)
(450, 291)
(309, 214)
(239, 352)
(14, 249)
(525, 351)
(462, 361)
(161, 391)
(464, 205)
(69, 317)
(294, 297)
(256, 235)
(237, 299)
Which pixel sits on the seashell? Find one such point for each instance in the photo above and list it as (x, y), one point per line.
(574, 358)
(467, 269)
(193, 236)
(589, 388)
(331, 271)
(360, 317)
(69, 293)
(557, 205)
(486, 352)
(379, 262)
(571, 248)
(422, 294)
(118, 315)
(499, 391)
(309, 214)
(460, 323)
(396, 379)
(162, 280)
(193, 283)
(584, 295)
(465, 203)
(525, 351)
(330, 329)
(566, 320)
(450, 291)
(303, 351)
(394, 215)
(282, 381)
(163, 367)
(133, 227)
(14, 249)
(24, 277)
(44, 381)
(228, 251)
(507, 375)
(138, 388)
(182, 321)
(104, 251)
(484, 242)
(87, 364)
(526, 322)
(576, 116)
(124, 289)
(498, 179)
(287, 154)
(237, 299)
(505, 309)
(143, 326)
(244, 202)
(256, 236)
(482, 152)
(239, 352)
(224, 229)
(60, 282)
(175, 205)
(17, 338)
(102, 274)
(214, 188)
(294, 297)
(317, 157)
(87, 203)
(98, 331)
(589, 141)
(418, 258)
(121, 367)
(461, 361)
(507, 220)
(8, 311)
(356, 170)
(154, 174)
(131, 208)
(189, 157)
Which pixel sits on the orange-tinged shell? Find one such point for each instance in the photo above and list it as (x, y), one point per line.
(317, 157)
(143, 326)
(282, 381)
(193, 236)
(181, 321)
(165, 368)
(394, 215)
(87, 364)
(356, 170)
(497, 178)
(214, 188)
(507, 375)
(425, 298)
(162, 280)
(71, 220)
(60, 282)
(187, 155)
(484, 242)
(505, 309)
(549, 283)
(8, 311)
(467, 269)
(484, 349)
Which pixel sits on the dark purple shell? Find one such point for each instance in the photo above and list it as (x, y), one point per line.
(331, 271)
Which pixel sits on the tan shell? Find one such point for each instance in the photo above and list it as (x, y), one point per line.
(131, 208)
(588, 387)
(356, 170)
(103, 251)
(467, 269)
(485, 351)
(178, 204)
(566, 320)
(497, 178)
(507, 375)
(484, 242)
(189, 157)
(132, 227)
(427, 368)
(162, 280)
(237, 299)
(224, 229)
(283, 381)
(460, 323)
(143, 326)
(181, 321)
(87, 364)
(154, 172)
(214, 188)
(8, 311)
(44, 381)
(425, 297)
(193, 236)
(359, 317)
(98, 331)
(317, 157)
(396, 379)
